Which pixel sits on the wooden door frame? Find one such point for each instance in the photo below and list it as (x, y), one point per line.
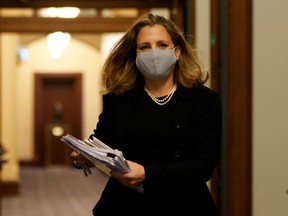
(39, 147)
(231, 61)
(239, 118)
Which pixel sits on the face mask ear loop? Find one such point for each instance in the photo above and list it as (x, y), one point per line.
(175, 49)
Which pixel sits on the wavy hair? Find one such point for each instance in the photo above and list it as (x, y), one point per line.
(120, 73)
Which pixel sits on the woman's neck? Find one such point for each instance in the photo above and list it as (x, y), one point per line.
(160, 87)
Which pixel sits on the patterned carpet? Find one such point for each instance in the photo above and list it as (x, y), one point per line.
(55, 191)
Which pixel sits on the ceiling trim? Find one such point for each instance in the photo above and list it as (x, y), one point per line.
(88, 3)
(83, 25)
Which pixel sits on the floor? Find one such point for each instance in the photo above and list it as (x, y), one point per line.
(54, 191)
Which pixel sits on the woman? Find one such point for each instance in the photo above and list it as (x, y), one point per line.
(158, 112)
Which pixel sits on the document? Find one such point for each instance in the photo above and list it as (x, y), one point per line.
(101, 155)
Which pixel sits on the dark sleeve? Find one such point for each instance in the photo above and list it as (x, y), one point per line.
(202, 152)
(105, 124)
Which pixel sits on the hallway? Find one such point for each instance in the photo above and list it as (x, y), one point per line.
(54, 191)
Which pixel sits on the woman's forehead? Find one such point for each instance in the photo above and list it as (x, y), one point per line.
(150, 34)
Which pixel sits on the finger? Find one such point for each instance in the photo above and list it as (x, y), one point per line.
(74, 154)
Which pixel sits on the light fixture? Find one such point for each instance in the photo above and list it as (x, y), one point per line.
(58, 131)
(61, 12)
(57, 43)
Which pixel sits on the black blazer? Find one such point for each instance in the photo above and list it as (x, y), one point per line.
(177, 187)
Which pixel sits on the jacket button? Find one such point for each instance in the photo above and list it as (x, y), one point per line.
(177, 154)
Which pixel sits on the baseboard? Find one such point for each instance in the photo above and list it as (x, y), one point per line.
(9, 188)
(29, 163)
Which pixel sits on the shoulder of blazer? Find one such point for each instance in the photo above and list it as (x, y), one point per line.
(127, 97)
(201, 98)
(203, 92)
(119, 104)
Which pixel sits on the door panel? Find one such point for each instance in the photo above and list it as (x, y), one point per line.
(58, 106)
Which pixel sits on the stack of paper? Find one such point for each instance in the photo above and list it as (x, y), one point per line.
(101, 155)
(97, 152)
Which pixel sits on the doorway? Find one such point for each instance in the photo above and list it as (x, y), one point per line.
(58, 111)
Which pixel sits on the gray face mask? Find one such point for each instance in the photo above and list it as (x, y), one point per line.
(155, 63)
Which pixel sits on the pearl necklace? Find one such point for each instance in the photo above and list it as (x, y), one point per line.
(163, 101)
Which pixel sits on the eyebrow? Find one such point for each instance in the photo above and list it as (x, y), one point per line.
(148, 43)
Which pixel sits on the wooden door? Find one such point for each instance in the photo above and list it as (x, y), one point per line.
(58, 110)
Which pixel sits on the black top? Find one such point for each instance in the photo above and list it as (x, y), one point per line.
(177, 143)
(150, 133)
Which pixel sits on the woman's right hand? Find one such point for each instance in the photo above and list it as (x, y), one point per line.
(79, 160)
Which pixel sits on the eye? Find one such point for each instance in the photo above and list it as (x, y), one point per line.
(143, 48)
(163, 45)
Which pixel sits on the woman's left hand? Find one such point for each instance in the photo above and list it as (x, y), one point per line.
(132, 179)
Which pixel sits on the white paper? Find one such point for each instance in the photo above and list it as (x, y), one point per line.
(99, 154)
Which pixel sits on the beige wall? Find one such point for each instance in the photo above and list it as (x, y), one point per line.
(270, 108)
(78, 57)
(202, 31)
(10, 170)
(17, 86)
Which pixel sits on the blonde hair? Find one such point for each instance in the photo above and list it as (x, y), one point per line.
(120, 73)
